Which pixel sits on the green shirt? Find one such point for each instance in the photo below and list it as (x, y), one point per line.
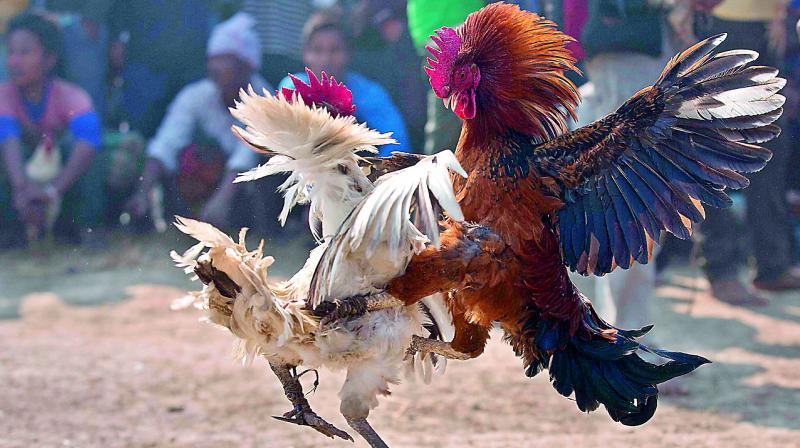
(426, 16)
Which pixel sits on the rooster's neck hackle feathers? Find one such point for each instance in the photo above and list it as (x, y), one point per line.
(523, 61)
(311, 144)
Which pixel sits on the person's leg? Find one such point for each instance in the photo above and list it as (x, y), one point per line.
(623, 296)
(766, 218)
(632, 290)
(12, 229)
(721, 244)
(83, 206)
(12, 232)
(124, 157)
(723, 249)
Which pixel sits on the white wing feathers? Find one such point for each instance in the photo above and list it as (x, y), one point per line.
(385, 213)
(379, 232)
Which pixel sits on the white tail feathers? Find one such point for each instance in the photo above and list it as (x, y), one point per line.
(256, 313)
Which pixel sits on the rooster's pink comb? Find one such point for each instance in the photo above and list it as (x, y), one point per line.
(443, 59)
(324, 92)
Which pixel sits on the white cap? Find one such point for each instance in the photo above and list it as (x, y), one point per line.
(236, 36)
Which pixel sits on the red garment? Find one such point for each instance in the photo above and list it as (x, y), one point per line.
(576, 13)
(200, 169)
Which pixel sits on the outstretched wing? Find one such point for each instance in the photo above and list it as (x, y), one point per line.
(650, 166)
(379, 231)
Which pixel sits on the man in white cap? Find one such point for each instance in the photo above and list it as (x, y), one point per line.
(180, 158)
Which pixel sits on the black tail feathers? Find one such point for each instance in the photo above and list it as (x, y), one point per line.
(600, 365)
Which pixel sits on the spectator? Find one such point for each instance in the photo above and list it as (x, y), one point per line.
(43, 120)
(279, 24)
(443, 127)
(384, 52)
(85, 28)
(326, 48)
(571, 16)
(792, 108)
(161, 44)
(8, 9)
(760, 26)
(189, 165)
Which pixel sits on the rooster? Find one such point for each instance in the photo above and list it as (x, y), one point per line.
(366, 238)
(590, 200)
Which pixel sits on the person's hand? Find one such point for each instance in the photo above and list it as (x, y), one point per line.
(33, 214)
(138, 204)
(30, 202)
(37, 193)
(216, 211)
(28, 193)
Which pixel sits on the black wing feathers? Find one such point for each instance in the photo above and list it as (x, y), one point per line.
(651, 166)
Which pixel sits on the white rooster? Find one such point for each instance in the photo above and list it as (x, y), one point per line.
(366, 238)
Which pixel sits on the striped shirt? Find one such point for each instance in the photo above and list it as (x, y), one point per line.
(279, 24)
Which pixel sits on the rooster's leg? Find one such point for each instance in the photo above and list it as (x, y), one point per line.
(441, 348)
(354, 307)
(470, 256)
(302, 414)
(362, 426)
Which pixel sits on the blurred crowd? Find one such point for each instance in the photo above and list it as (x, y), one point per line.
(114, 114)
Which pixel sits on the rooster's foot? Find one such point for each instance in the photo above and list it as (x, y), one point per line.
(333, 310)
(303, 415)
(355, 306)
(425, 345)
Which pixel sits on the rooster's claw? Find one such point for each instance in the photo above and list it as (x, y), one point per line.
(304, 416)
(334, 310)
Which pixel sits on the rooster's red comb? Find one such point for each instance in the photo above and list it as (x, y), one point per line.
(324, 91)
(448, 43)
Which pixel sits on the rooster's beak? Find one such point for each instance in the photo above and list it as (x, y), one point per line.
(447, 102)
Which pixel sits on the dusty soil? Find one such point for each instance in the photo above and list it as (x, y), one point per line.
(132, 373)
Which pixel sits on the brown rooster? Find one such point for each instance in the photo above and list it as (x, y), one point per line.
(590, 200)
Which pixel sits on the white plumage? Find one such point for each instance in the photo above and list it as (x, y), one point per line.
(317, 150)
(367, 238)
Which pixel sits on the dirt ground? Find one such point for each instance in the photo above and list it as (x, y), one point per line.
(91, 356)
